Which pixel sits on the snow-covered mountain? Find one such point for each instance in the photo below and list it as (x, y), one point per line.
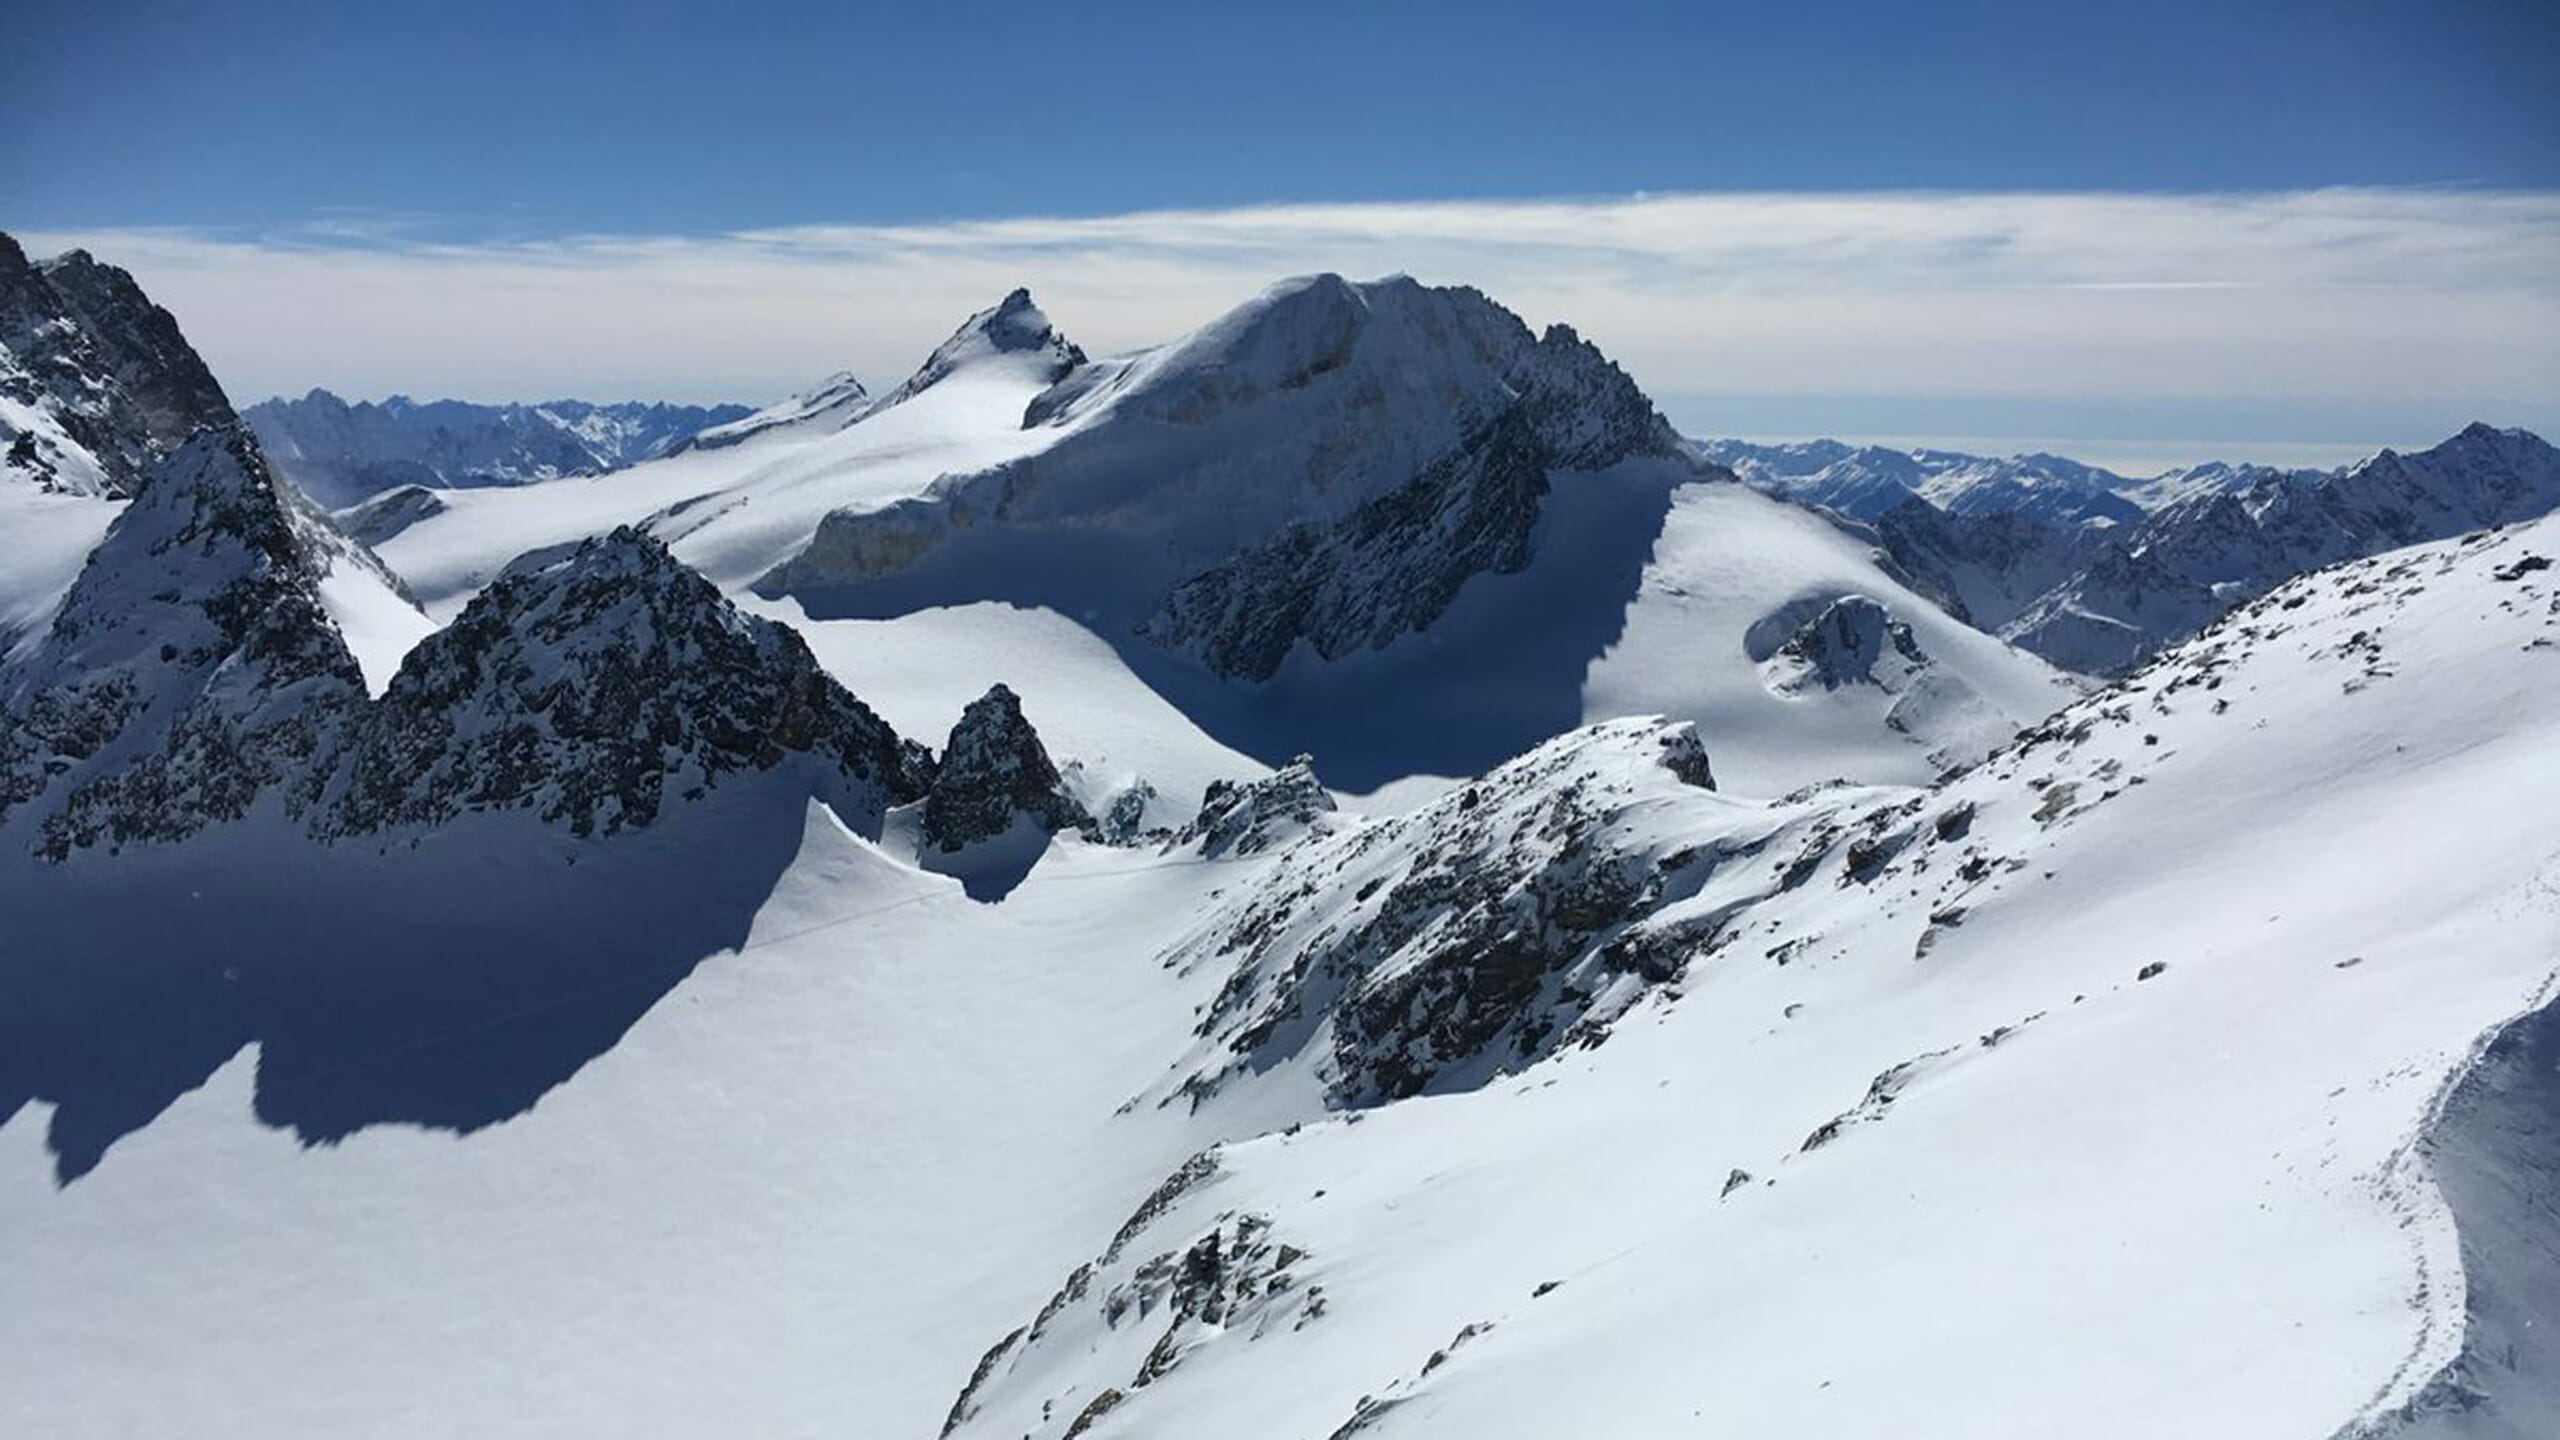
(343, 455)
(2098, 599)
(1865, 481)
(1335, 487)
(2136, 1033)
(1436, 913)
(96, 383)
(1911, 1090)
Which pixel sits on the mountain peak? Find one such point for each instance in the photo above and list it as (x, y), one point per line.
(99, 383)
(599, 682)
(192, 668)
(1013, 333)
(994, 771)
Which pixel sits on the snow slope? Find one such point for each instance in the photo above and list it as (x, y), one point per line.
(815, 1130)
(2077, 1095)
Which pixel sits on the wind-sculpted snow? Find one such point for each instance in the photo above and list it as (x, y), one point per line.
(96, 383)
(192, 669)
(597, 687)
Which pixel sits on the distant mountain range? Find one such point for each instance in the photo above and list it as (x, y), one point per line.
(2096, 571)
(341, 454)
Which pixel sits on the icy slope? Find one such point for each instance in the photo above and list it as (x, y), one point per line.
(2076, 1095)
(792, 1200)
(1734, 575)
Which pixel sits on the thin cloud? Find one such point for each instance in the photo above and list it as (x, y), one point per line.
(2415, 298)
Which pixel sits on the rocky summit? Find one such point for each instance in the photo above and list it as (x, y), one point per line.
(994, 773)
(98, 383)
(597, 686)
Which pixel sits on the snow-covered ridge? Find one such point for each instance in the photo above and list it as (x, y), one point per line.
(96, 383)
(197, 669)
(597, 687)
(1865, 481)
(1868, 1053)
(1013, 338)
(1327, 463)
(2098, 599)
(342, 455)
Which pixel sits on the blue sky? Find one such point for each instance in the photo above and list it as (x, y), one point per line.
(547, 117)
(452, 139)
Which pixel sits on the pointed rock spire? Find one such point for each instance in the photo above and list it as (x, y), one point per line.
(191, 669)
(994, 771)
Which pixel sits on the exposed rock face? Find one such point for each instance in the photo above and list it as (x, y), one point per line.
(1846, 644)
(994, 771)
(1124, 821)
(1328, 463)
(191, 669)
(341, 454)
(1483, 930)
(1145, 1310)
(597, 684)
(1249, 817)
(1988, 567)
(100, 384)
(1393, 566)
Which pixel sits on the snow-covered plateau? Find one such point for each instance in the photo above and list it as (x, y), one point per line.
(1331, 878)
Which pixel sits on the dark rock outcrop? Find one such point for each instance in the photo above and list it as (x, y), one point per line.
(1251, 816)
(1479, 931)
(114, 386)
(1845, 644)
(994, 771)
(596, 684)
(191, 669)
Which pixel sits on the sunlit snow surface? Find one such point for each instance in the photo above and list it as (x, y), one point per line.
(2096, 1113)
(839, 1161)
